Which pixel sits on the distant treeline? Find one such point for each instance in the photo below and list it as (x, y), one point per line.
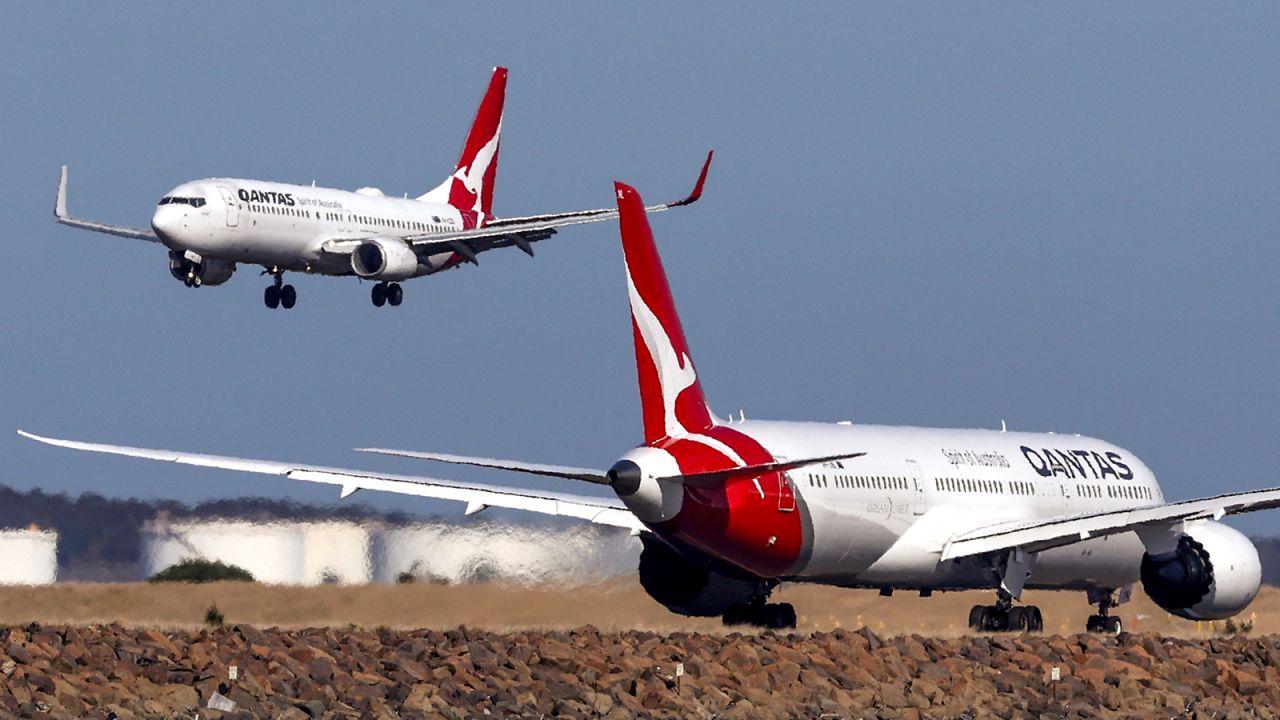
(93, 529)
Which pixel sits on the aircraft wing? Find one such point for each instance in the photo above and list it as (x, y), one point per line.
(518, 231)
(1038, 535)
(601, 511)
(60, 212)
(590, 475)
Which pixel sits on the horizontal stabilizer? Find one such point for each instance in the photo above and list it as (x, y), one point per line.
(715, 477)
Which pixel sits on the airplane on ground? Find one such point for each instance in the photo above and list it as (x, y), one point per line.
(211, 226)
(727, 510)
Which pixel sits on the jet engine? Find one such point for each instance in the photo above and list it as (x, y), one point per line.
(383, 258)
(686, 587)
(1213, 573)
(206, 272)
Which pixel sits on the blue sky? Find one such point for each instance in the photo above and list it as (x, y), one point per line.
(1061, 216)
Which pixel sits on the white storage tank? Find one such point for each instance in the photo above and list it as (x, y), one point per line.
(454, 553)
(336, 553)
(28, 557)
(273, 553)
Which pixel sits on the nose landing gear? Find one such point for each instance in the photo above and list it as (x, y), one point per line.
(387, 294)
(1104, 622)
(278, 294)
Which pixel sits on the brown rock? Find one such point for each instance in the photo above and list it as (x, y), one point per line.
(41, 683)
(18, 653)
(320, 671)
(893, 695)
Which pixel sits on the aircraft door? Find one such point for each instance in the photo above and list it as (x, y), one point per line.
(786, 492)
(233, 206)
(917, 485)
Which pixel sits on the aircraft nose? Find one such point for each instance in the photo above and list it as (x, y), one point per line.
(166, 222)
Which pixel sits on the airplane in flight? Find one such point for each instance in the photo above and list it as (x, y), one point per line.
(727, 510)
(212, 226)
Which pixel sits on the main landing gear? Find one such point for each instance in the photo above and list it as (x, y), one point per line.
(387, 294)
(1004, 616)
(278, 294)
(1104, 621)
(775, 616)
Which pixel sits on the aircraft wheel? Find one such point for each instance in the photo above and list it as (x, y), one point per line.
(737, 615)
(271, 296)
(1019, 620)
(782, 617)
(395, 294)
(978, 618)
(1113, 626)
(288, 297)
(379, 294)
(1036, 623)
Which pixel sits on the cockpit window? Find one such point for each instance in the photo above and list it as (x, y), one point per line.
(178, 200)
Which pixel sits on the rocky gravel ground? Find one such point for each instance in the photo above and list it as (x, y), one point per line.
(242, 671)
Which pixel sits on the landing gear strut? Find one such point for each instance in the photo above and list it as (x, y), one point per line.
(1004, 616)
(775, 616)
(1104, 621)
(278, 294)
(387, 294)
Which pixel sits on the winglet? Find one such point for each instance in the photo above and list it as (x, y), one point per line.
(60, 206)
(697, 187)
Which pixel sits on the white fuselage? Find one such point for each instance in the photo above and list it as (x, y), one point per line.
(880, 520)
(284, 226)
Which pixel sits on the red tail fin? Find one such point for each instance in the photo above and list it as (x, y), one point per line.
(670, 394)
(470, 188)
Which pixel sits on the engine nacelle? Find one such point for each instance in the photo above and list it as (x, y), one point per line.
(689, 588)
(1214, 573)
(383, 258)
(208, 271)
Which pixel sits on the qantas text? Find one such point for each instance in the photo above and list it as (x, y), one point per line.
(1077, 463)
(264, 196)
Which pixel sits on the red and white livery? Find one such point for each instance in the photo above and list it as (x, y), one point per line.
(213, 226)
(729, 509)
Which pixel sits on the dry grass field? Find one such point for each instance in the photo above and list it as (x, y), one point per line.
(617, 605)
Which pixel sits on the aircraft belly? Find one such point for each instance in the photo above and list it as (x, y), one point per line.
(1111, 561)
(846, 542)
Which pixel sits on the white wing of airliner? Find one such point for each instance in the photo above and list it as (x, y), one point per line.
(517, 231)
(60, 211)
(602, 511)
(1038, 535)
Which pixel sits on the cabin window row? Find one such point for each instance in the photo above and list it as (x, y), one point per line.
(949, 484)
(396, 224)
(277, 210)
(859, 482)
(361, 219)
(1116, 492)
